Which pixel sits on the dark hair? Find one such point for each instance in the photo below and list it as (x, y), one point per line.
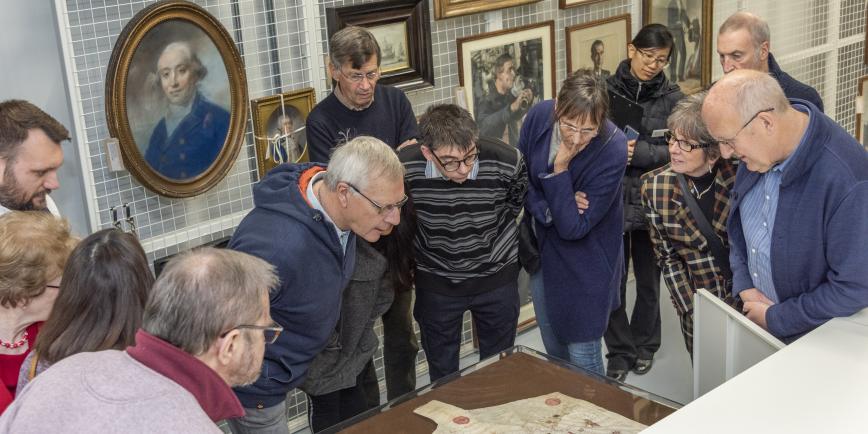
(653, 36)
(398, 247)
(500, 61)
(582, 96)
(101, 299)
(447, 125)
(595, 44)
(353, 44)
(17, 118)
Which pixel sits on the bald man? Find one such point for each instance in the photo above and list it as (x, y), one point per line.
(191, 134)
(802, 193)
(743, 42)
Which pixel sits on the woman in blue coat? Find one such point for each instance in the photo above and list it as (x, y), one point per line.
(575, 158)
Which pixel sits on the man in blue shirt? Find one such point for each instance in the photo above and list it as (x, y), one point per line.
(797, 225)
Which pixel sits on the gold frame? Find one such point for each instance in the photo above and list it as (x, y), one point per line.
(455, 8)
(116, 94)
(566, 4)
(303, 100)
(707, 32)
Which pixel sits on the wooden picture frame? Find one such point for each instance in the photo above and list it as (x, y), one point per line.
(861, 115)
(175, 90)
(566, 4)
(489, 88)
(279, 128)
(455, 8)
(691, 27)
(609, 34)
(403, 31)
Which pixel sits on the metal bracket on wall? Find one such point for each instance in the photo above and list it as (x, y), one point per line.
(127, 223)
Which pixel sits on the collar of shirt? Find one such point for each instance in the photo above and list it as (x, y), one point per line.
(431, 171)
(346, 102)
(782, 166)
(343, 236)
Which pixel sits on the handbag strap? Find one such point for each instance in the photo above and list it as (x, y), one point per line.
(717, 250)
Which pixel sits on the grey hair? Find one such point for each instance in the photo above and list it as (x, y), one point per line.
(752, 91)
(355, 45)
(204, 293)
(686, 118)
(756, 26)
(360, 160)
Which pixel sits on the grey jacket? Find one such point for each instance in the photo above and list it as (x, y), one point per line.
(367, 297)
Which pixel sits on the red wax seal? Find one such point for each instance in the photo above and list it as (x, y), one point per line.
(461, 420)
(553, 401)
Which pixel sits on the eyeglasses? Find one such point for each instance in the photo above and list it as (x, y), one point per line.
(572, 130)
(684, 145)
(648, 58)
(381, 209)
(53, 286)
(729, 142)
(269, 332)
(357, 77)
(453, 165)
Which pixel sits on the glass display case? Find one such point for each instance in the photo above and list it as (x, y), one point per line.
(516, 374)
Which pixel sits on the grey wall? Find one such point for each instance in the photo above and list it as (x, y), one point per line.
(32, 70)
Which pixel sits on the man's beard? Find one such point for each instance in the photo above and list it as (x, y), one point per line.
(11, 196)
(250, 370)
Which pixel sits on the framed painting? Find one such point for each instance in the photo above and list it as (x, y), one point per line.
(278, 127)
(861, 116)
(456, 8)
(507, 70)
(598, 45)
(176, 98)
(565, 4)
(691, 27)
(403, 31)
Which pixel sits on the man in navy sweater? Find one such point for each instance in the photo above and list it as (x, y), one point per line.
(305, 222)
(797, 224)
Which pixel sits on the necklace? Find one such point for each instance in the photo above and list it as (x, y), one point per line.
(696, 191)
(13, 345)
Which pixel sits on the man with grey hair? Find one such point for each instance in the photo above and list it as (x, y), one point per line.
(801, 192)
(743, 42)
(305, 222)
(205, 328)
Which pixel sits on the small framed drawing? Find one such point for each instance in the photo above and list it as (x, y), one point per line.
(176, 98)
(565, 4)
(861, 115)
(598, 45)
(278, 126)
(403, 31)
(689, 21)
(456, 8)
(507, 70)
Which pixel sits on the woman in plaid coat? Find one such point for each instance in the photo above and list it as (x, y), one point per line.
(682, 251)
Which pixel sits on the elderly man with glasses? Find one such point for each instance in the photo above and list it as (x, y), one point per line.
(468, 191)
(205, 328)
(305, 221)
(797, 224)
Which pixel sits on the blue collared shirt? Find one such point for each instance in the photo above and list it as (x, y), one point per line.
(758, 211)
(343, 236)
(431, 171)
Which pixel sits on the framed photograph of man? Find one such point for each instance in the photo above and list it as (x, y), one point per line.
(861, 115)
(689, 21)
(176, 98)
(278, 126)
(403, 31)
(456, 8)
(505, 73)
(598, 45)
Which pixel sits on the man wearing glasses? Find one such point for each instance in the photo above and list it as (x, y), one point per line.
(205, 328)
(468, 191)
(358, 106)
(797, 226)
(305, 222)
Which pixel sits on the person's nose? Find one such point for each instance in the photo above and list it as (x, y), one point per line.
(51, 181)
(728, 65)
(393, 217)
(726, 151)
(366, 83)
(674, 148)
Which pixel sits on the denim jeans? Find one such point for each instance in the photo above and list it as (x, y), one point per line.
(588, 355)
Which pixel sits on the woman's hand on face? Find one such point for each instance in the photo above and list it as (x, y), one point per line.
(566, 152)
(631, 147)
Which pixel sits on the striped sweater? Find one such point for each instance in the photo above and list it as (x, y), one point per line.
(466, 242)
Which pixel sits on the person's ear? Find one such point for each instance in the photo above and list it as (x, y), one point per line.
(429, 155)
(229, 347)
(2, 168)
(631, 51)
(764, 51)
(343, 191)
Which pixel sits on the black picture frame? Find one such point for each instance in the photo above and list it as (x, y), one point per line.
(413, 16)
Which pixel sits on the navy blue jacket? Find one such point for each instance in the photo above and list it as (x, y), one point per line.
(793, 88)
(581, 255)
(194, 144)
(819, 251)
(313, 270)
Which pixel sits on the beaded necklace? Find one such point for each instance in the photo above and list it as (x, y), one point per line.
(16, 344)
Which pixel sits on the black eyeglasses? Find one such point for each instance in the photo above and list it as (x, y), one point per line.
(453, 165)
(729, 142)
(684, 145)
(381, 209)
(269, 332)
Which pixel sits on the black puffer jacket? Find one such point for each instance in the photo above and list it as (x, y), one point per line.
(657, 96)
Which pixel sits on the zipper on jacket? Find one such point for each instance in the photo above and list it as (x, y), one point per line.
(638, 90)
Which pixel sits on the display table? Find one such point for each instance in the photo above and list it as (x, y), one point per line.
(518, 373)
(817, 384)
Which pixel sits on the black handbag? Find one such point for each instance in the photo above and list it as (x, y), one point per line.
(528, 249)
